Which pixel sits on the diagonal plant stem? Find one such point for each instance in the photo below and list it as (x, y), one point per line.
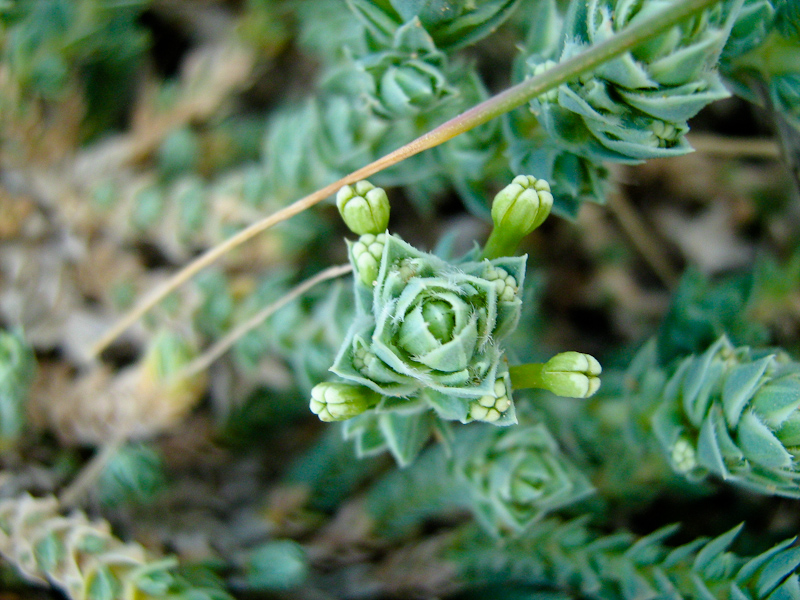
(202, 362)
(497, 105)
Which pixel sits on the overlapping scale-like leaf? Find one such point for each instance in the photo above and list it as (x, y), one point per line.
(516, 476)
(636, 106)
(733, 412)
(451, 23)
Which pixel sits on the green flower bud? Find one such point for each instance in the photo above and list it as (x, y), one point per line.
(571, 374)
(505, 285)
(491, 407)
(364, 208)
(367, 252)
(517, 210)
(683, 456)
(334, 401)
(522, 205)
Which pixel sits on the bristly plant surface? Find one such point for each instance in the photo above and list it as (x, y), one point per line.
(482, 451)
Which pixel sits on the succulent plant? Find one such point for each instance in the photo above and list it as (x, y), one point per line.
(427, 324)
(517, 475)
(636, 106)
(451, 23)
(733, 412)
(407, 78)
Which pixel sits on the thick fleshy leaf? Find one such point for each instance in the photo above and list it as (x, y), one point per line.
(740, 384)
(759, 444)
(776, 401)
(405, 435)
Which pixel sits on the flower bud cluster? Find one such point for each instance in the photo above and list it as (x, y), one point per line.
(491, 407)
(427, 330)
(366, 256)
(364, 208)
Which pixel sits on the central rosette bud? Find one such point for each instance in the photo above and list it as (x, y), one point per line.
(439, 330)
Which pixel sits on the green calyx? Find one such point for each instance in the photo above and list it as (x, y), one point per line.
(517, 210)
(334, 401)
(569, 374)
(364, 208)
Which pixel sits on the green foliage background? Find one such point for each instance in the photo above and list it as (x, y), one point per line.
(136, 134)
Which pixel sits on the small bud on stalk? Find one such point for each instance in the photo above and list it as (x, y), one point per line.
(569, 374)
(364, 208)
(334, 401)
(517, 210)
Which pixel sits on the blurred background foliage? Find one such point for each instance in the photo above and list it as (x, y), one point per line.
(135, 134)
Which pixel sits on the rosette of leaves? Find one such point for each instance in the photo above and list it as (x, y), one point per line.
(451, 23)
(428, 325)
(516, 475)
(407, 78)
(634, 107)
(17, 368)
(733, 412)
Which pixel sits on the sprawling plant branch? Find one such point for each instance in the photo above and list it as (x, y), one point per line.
(486, 111)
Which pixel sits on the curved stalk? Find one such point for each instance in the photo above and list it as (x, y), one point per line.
(478, 115)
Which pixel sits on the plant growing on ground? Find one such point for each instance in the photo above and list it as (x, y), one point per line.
(195, 405)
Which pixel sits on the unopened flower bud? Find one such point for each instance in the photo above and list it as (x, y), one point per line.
(571, 374)
(505, 285)
(522, 205)
(364, 208)
(334, 401)
(491, 407)
(517, 209)
(367, 253)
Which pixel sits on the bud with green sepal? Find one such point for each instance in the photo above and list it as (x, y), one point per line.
(569, 374)
(517, 210)
(366, 256)
(492, 408)
(336, 401)
(364, 208)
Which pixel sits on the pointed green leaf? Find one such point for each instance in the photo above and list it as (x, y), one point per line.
(405, 434)
(759, 444)
(777, 568)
